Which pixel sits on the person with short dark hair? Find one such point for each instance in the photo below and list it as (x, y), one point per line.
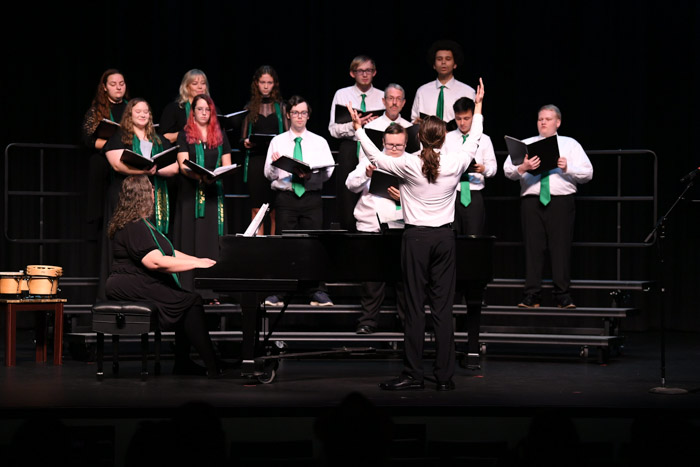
(298, 203)
(436, 97)
(470, 215)
(368, 207)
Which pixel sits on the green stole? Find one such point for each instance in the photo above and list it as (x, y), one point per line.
(280, 130)
(162, 199)
(153, 234)
(200, 197)
(188, 106)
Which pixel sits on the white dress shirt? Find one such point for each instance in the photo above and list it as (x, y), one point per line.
(578, 170)
(424, 203)
(484, 156)
(373, 101)
(315, 152)
(369, 205)
(427, 96)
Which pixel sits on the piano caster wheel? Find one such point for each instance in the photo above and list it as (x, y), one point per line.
(584, 352)
(482, 349)
(269, 372)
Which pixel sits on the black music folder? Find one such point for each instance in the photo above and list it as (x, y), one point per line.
(295, 166)
(342, 114)
(261, 139)
(380, 183)
(546, 149)
(451, 125)
(106, 129)
(232, 121)
(412, 142)
(211, 174)
(160, 160)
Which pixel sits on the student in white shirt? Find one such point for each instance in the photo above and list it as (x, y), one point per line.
(444, 56)
(368, 207)
(364, 96)
(548, 221)
(429, 182)
(470, 215)
(298, 203)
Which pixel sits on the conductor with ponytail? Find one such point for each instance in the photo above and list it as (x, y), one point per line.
(428, 260)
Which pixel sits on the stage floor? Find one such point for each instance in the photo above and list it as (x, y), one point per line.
(495, 403)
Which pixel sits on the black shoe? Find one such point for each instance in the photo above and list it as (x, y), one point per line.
(365, 329)
(448, 385)
(402, 383)
(564, 301)
(188, 368)
(530, 301)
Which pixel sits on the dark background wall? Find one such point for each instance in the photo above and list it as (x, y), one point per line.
(624, 75)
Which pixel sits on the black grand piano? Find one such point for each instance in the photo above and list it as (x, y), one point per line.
(254, 267)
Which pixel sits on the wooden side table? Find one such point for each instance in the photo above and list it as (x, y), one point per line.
(10, 307)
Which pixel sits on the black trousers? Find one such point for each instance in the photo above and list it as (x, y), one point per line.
(373, 294)
(345, 200)
(299, 213)
(550, 228)
(429, 271)
(470, 220)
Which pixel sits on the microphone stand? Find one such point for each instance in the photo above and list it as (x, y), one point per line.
(661, 228)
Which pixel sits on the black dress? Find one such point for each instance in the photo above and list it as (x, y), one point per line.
(110, 204)
(98, 173)
(267, 123)
(192, 235)
(173, 119)
(130, 280)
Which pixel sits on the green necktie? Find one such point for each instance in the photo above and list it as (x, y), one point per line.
(441, 103)
(363, 108)
(466, 192)
(297, 185)
(545, 196)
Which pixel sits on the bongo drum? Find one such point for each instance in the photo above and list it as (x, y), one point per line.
(42, 281)
(11, 284)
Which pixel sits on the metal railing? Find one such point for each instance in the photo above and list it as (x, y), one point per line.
(619, 198)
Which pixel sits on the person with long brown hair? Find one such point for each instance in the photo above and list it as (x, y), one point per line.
(146, 268)
(108, 103)
(428, 262)
(137, 134)
(267, 116)
(200, 212)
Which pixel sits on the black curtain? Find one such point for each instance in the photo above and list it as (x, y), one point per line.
(623, 74)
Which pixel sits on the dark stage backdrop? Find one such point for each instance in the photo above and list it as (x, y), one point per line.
(624, 75)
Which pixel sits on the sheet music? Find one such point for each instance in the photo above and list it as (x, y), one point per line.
(252, 229)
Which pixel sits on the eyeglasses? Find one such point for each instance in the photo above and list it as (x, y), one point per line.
(394, 146)
(297, 113)
(394, 99)
(363, 71)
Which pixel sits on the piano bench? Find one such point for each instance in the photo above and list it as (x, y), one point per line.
(122, 318)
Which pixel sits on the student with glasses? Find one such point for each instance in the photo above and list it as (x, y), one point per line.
(298, 204)
(368, 207)
(364, 97)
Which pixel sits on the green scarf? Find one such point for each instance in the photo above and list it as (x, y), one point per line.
(162, 198)
(200, 197)
(153, 234)
(280, 130)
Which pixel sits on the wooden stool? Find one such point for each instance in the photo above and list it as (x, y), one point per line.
(39, 306)
(120, 318)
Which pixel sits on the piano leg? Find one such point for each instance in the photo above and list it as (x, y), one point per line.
(474, 295)
(250, 309)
